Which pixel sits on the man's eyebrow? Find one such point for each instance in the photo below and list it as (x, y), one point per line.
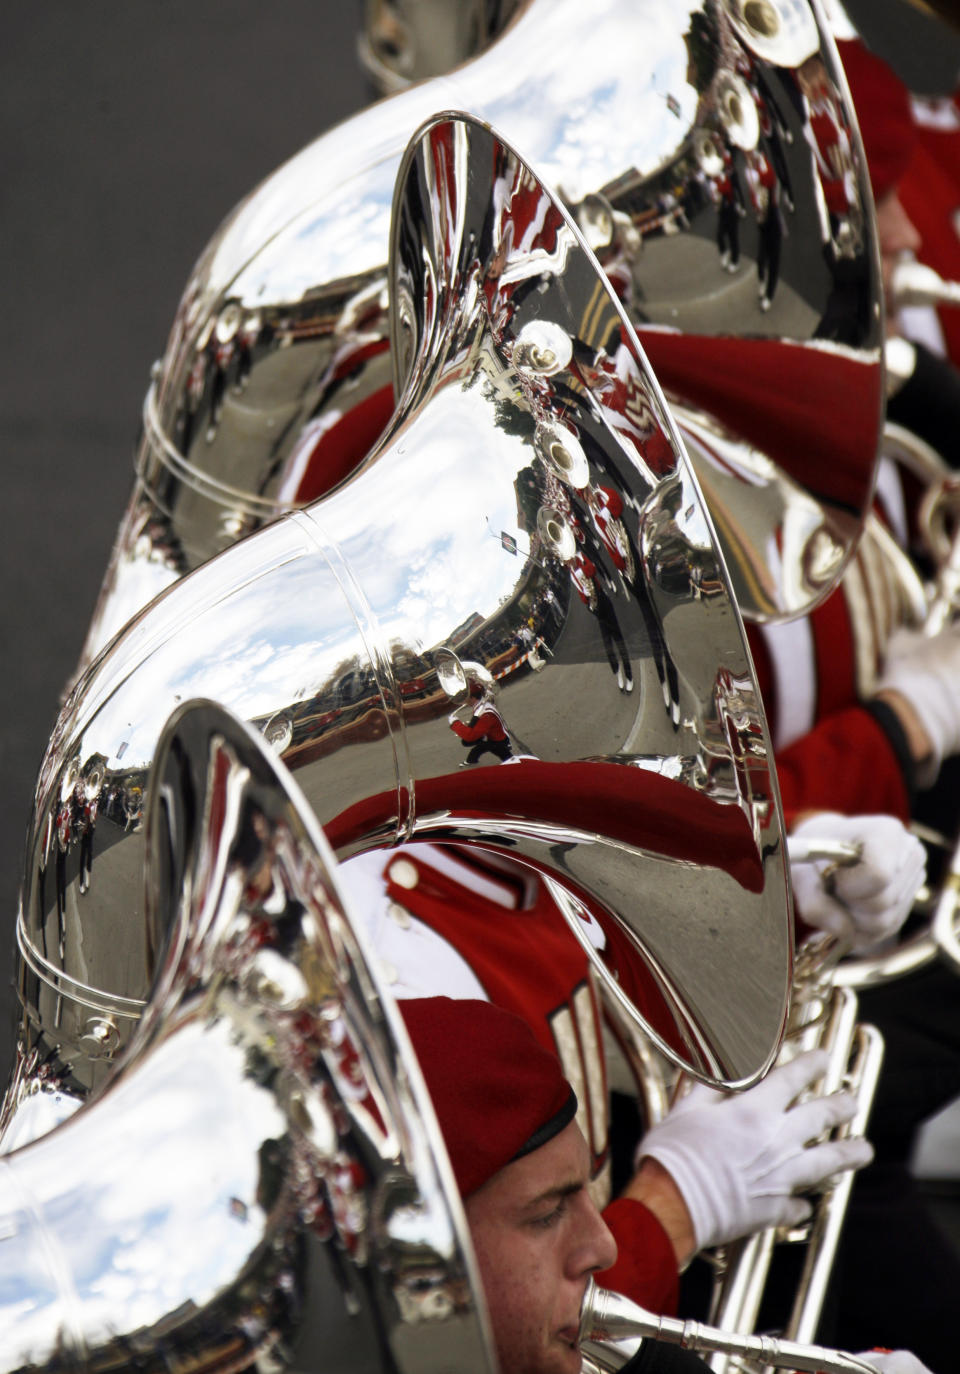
(555, 1194)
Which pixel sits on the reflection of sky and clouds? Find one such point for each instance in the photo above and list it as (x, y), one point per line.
(424, 524)
(596, 123)
(349, 237)
(420, 536)
(373, 140)
(580, 130)
(180, 1159)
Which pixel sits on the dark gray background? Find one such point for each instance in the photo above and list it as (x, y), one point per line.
(129, 130)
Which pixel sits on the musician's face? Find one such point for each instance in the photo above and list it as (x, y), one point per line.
(538, 1236)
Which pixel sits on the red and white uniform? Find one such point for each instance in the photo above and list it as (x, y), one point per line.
(446, 921)
(815, 675)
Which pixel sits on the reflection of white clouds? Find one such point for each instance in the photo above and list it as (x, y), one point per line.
(595, 103)
(419, 535)
(423, 524)
(583, 98)
(146, 1222)
(319, 172)
(326, 244)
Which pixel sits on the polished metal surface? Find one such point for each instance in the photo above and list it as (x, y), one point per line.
(512, 627)
(263, 1184)
(822, 1016)
(406, 40)
(612, 1328)
(690, 123)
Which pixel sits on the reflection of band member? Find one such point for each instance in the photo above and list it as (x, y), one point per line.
(196, 385)
(828, 134)
(765, 195)
(606, 509)
(730, 210)
(246, 338)
(222, 356)
(772, 130)
(484, 730)
(583, 574)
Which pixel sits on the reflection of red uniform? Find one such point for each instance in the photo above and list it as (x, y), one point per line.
(485, 724)
(607, 510)
(830, 139)
(628, 409)
(582, 574)
(519, 953)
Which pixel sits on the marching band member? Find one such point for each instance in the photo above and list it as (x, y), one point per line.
(507, 1115)
(864, 715)
(718, 1166)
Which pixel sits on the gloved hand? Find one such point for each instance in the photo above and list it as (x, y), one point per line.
(868, 900)
(738, 1157)
(894, 1361)
(926, 671)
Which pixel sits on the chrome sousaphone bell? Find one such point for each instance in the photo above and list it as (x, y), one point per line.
(262, 1184)
(241, 428)
(531, 485)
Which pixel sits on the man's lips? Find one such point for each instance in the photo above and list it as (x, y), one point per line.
(570, 1335)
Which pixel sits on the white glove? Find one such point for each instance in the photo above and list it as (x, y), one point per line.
(868, 900)
(738, 1157)
(893, 1361)
(926, 670)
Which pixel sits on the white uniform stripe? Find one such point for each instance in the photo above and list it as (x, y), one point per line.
(794, 678)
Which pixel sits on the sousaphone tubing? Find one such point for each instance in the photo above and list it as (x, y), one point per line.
(512, 627)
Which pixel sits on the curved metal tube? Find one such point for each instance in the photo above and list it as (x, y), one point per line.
(612, 1327)
(263, 1181)
(822, 1016)
(277, 377)
(374, 638)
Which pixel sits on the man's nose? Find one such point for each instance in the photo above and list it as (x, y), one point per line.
(598, 1249)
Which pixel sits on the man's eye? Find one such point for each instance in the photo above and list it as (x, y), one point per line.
(550, 1218)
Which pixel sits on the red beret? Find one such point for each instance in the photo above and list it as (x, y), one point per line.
(882, 105)
(498, 1094)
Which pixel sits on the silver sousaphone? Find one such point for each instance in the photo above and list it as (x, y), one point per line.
(381, 641)
(278, 379)
(268, 1128)
(262, 1185)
